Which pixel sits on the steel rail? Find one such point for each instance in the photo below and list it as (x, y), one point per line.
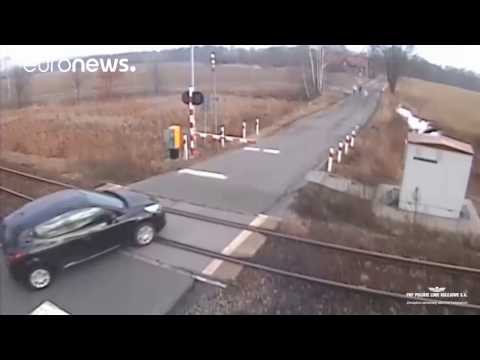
(39, 178)
(263, 231)
(269, 269)
(323, 244)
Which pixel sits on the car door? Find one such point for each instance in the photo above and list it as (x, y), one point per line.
(119, 231)
(67, 238)
(106, 232)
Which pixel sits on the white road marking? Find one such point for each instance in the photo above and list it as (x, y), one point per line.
(48, 308)
(271, 151)
(207, 174)
(230, 248)
(268, 151)
(248, 148)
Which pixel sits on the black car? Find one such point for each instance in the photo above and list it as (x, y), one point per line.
(68, 227)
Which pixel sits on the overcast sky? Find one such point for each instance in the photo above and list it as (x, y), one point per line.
(462, 56)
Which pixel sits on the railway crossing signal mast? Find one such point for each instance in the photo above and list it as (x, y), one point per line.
(191, 108)
(213, 62)
(192, 98)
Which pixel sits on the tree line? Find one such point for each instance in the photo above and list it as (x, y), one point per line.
(393, 60)
(400, 60)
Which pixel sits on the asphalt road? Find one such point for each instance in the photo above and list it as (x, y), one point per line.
(257, 181)
(111, 284)
(134, 281)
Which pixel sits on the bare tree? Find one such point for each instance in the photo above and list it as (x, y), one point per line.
(108, 78)
(394, 58)
(315, 64)
(156, 78)
(77, 78)
(305, 84)
(2, 76)
(21, 80)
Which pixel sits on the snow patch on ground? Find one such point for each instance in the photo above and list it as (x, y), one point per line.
(417, 124)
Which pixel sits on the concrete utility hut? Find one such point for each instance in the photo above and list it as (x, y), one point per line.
(436, 174)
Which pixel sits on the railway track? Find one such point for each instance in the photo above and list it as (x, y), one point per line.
(272, 233)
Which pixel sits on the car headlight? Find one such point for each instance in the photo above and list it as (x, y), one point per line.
(153, 209)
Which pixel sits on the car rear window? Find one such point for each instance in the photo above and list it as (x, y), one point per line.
(104, 200)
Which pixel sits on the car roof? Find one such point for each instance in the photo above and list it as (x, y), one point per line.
(46, 207)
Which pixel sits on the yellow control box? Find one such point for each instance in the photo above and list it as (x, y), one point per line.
(174, 137)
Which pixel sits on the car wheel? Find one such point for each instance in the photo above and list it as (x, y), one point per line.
(39, 277)
(144, 234)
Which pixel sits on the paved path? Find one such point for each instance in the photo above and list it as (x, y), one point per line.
(254, 181)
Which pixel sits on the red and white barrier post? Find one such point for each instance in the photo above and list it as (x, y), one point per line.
(191, 119)
(347, 144)
(352, 143)
(257, 126)
(222, 135)
(331, 154)
(191, 108)
(244, 130)
(185, 146)
(339, 152)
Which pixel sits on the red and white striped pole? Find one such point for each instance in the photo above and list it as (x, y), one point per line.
(191, 108)
(191, 119)
(257, 126)
(244, 130)
(339, 152)
(331, 154)
(347, 143)
(222, 135)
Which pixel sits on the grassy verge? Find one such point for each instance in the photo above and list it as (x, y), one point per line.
(122, 140)
(379, 148)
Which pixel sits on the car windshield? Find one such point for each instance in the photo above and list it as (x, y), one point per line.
(102, 200)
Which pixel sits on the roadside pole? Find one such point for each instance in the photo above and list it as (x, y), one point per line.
(339, 153)
(213, 62)
(222, 135)
(191, 108)
(185, 146)
(206, 109)
(330, 160)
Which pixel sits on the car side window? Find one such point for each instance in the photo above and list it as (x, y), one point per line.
(70, 221)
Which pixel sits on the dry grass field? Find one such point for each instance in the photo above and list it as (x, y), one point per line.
(122, 139)
(117, 138)
(451, 108)
(379, 148)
